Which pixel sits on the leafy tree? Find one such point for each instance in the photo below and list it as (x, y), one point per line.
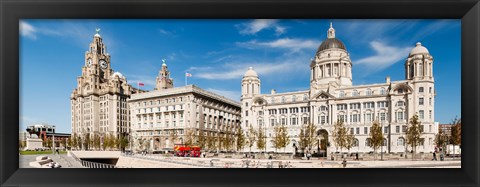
(240, 139)
(70, 143)
(339, 134)
(376, 136)
(105, 142)
(349, 140)
(414, 133)
(261, 142)
(96, 141)
(211, 141)
(281, 139)
(252, 137)
(79, 142)
(123, 142)
(173, 136)
(202, 140)
(456, 132)
(440, 139)
(308, 136)
(87, 142)
(190, 137)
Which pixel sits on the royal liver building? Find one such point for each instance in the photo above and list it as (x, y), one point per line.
(332, 97)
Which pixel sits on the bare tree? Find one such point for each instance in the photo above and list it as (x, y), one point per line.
(376, 137)
(414, 134)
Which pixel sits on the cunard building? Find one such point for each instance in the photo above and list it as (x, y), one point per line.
(170, 115)
(332, 97)
(99, 103)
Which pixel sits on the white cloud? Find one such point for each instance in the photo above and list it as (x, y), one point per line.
(258, 25)
(27, 30)
(283, 43)
(385, 56)
(147, 80)
(226, 93)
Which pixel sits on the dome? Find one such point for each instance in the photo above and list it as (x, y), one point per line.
(117, 74)
(331, 43)
(418, 49)
(250, 73)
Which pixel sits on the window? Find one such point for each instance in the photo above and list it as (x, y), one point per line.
(382, 104)
(355, 106)
(355, 93)
(342, 107)
(294, 98)
(293, 121)
(420, 101)
(272, 100)
(397, 129)
(357, 130)
(246, 103)
(367, 142)
(369, 105)
(399, 115)
(421, 114)
(305, 97)
(272, 122)
(430, 101)
(421, 128)
(355, 142)
(429, 89)
(404, 128)
(400, 103)
(369, 91)
(382, 91)
(400, 91)
(430, 114)
(246, 113)
(323, 108)
(383, 116)
(385, 130)
(420, 89)
(341, 94)
(365, 130)
(351, 131)
(322, 119)
(400, 142)
(283, 99)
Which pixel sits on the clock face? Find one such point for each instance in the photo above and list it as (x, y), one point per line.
(89, 62)
(103, 64)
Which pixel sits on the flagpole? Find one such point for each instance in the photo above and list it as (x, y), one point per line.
(185, 79)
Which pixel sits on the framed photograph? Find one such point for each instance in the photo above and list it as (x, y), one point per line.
(224, 93)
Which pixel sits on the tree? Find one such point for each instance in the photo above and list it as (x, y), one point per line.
(70, 143)
(87, 142)
(210, 141)
(240, 139)
(281, 139)
(74, 141)
(79, 142)
(140, 146)
(123, 142)
(440, 138)
(252, 137)
(456, 132)
(173, 136)
(339, 134)
(376, 137)
(21, 144)
(105, 142)
(308, 136)
(96, 141)
(261, 142)
(349, 140)
(190, 137)
(414, 134)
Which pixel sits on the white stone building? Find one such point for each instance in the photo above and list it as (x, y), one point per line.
(332, 97)
(99, 103)
(167, 109)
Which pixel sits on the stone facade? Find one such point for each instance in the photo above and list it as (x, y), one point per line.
(156, 114)
(332, 97)
(99, 103)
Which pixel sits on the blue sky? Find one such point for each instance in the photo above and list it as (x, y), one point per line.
(218, 52)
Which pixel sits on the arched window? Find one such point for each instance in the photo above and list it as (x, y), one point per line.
(341, 94)
(283, 99)
(400, 141)
(355, 93)
(367, 142)
(369, 91)
(382, 91)
(355, 142)
(294, 98)
(384, 142)
(305, 97)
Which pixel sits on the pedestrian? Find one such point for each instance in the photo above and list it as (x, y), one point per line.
(344, 163)
(356, 156)
(280, 164)
(434, 156)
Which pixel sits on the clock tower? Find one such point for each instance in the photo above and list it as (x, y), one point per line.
(99, 102)
(163, 79)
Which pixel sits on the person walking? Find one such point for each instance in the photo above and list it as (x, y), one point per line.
(344, 163)
(434, 156)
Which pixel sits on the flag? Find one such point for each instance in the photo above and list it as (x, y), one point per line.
(140, 84)
(188, 74)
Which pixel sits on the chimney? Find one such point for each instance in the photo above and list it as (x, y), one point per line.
(273, 92)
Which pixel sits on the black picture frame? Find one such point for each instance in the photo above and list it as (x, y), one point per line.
(11, 11)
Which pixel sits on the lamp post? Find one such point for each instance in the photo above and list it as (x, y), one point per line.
(381, 147)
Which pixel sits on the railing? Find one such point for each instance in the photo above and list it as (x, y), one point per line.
(92, 164)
